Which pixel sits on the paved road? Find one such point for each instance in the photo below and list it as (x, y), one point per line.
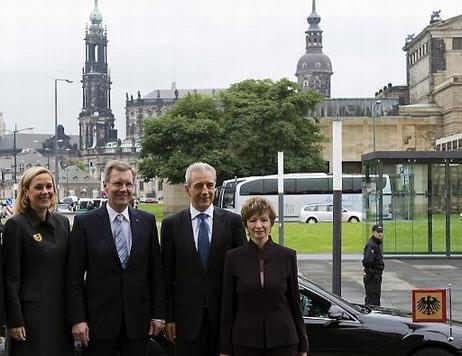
(400, 277)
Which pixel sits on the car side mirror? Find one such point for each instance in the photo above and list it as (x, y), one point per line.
(335, 312)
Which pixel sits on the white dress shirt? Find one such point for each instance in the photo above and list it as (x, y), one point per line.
(125, 224)
(195, 221)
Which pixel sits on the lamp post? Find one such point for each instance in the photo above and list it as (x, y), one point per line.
(56, 133)
(14, 132)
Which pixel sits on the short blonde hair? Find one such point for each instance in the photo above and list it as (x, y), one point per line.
(22, 204)
(257, 207)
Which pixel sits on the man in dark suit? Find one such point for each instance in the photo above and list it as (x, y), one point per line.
(194, 242)
(116, 294)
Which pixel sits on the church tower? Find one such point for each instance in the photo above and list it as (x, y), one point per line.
(314, 68)
(96, 121)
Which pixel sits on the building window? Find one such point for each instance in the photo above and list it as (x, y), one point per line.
(460, 143)
(141, 185)
(457, 43)
(454, 145)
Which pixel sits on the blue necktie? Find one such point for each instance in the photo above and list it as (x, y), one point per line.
(203, 243)
(120, 240)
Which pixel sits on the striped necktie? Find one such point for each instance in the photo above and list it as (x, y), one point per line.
(203, 243)
(120, 240)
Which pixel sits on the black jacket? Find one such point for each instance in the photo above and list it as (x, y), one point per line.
(34, 277)
(111, 295)
(261, 317)
(373, 257)
(189, 286)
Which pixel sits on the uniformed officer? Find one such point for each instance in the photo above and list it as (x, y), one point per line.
(373, 266)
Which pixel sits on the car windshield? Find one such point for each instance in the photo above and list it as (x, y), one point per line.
(332, 297)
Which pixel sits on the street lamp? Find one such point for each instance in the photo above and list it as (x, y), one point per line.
(14, 132)
(56, 133)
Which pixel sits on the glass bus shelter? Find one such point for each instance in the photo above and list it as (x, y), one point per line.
(417, 196)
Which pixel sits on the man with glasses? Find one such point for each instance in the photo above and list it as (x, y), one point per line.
(116, 295)
(373, 266)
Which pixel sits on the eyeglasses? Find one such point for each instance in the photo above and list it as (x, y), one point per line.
(121, 184)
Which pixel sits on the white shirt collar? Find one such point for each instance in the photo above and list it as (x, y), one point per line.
(112, 213)
(194, 212)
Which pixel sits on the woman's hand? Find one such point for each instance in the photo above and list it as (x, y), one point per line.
(19, 334)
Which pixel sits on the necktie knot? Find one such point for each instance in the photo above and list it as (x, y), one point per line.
(202, 217)
(120, 218)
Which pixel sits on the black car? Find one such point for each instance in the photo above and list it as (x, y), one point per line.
(337, 327)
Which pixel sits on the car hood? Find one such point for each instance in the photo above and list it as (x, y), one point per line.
(398, 317)
(403, 315)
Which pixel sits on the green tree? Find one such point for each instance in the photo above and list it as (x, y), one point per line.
(263, 117)
(191, 131)
(240, 137)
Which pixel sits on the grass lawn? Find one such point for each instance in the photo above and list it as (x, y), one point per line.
(156, 209)
(401, 236)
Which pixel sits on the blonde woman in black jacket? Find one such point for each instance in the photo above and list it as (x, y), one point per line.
(34, 270)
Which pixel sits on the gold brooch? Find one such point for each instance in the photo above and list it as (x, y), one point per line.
(37, 237)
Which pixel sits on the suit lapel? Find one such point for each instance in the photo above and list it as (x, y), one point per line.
(106, 231)
(135, 226)
(217, 227)
(187, 232)
(188, 236)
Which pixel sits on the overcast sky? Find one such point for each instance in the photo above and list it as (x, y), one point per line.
(197, 43)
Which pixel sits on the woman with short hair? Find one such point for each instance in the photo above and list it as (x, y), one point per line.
(261, 314)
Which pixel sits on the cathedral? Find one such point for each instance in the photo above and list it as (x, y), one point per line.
(96, 121)
(314, 68)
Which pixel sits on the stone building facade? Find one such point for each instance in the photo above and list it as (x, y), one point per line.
(154, 104)
(427, 111)
(434, 69)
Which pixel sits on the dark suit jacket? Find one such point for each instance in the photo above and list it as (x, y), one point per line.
(34, 276)
(256, 316)
(111, 294)
(189, 286)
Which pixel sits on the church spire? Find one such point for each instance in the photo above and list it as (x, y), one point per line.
(314, 68)
(96, 118)
(96, 18)
(314, 32)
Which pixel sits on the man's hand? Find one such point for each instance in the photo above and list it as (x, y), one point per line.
(81, 332)
(171, 332)
(155, 327)
(303, 354)
(19, 333)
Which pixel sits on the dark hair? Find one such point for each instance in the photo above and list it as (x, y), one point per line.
(257, 207)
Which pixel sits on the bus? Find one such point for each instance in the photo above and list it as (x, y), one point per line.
(299, 189)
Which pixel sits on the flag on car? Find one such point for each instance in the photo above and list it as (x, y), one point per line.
(429, 305)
